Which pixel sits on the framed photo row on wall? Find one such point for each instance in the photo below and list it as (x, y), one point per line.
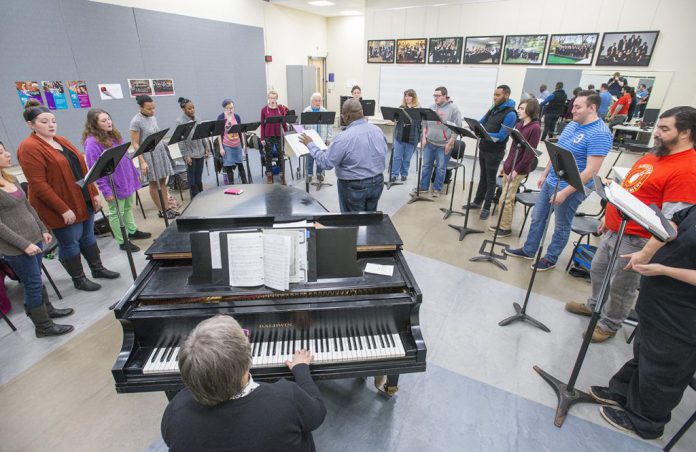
(577, 49)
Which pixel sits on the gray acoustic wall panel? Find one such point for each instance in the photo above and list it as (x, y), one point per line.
(100, 43)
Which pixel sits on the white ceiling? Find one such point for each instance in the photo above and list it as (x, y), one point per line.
(327, 11)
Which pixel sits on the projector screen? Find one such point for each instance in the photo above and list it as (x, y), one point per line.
(471, 89)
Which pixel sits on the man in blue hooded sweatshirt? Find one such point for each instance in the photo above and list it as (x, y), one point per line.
(491, 153)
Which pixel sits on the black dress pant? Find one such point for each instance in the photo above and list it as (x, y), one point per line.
(653, 382)
(489, 163)
(550, 121)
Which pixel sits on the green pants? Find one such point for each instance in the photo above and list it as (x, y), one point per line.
(126, 207)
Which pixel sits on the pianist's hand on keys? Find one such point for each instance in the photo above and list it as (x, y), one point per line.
(300, 357)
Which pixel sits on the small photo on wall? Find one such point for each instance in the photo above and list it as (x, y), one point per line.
(79, 96)
(482, 49)
(445, 50)
(632, 48)
(55, 95)
(163, 86)
(411, 51)
(138, 87)
(577, 49)
(524, 49)
(110, 91)
(380, 51)
(28, 90)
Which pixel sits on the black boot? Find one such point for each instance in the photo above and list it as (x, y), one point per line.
(43, 325)
(242, 173)
(54, 312)
(73, 266)
(91, 254)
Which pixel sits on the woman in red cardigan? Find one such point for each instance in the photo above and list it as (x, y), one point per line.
(52, 166)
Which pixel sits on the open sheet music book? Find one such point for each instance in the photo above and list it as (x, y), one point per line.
(649, 218)
(270, 257)
(298, 149)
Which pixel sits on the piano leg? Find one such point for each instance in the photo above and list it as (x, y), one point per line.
(171, 394)
(387, 384)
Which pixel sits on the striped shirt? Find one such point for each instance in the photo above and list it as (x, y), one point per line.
(593, 139)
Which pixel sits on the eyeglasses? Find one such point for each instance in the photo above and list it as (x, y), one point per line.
(437, 95)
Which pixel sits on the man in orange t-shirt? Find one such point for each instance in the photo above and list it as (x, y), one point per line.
(665, 177)
(623, 104)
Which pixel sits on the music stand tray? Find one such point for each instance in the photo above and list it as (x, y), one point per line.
(104, 167)
(421, 114)
(181, 132)
(209, 129)
(461, 133)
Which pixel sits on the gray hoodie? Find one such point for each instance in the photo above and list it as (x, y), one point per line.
(438, 132)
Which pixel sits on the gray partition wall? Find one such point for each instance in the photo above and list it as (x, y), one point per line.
(535, 77)
(99, 43)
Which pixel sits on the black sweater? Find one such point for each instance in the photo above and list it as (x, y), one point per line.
(274, 417)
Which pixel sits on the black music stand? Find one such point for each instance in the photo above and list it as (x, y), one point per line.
(104, 167)
(421, 114)
(314, 118)
(368, 106)
(148, 145)
(568, 395)
(289, 118)
(181, 132)
(397, 115)
(242, 130)
(490, 256)
(566, 169)
(461, 132)
(480, 134)
(208, 130)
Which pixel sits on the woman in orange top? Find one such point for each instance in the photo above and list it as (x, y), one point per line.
(52, 166)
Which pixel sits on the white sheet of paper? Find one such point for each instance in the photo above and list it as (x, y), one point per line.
(298, 149)
(635, 208)
(379, 269)
(215, 253)
(245, 259)
(276, 261)
(298, 251)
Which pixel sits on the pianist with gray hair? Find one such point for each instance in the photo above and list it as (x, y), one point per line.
(223, 408)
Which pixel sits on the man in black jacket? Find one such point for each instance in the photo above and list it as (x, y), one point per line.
(222, 408)
(554, 106)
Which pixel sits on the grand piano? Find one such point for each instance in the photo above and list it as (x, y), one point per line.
(356, 326)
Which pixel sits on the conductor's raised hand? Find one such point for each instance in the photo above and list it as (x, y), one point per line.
(300, 357)
(305, 139)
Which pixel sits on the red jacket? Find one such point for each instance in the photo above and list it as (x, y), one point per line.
(52, 187)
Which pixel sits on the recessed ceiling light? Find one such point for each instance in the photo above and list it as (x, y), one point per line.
(351, 13)
(321, 3)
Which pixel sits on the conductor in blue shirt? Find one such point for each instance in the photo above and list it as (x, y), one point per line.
(359, 155)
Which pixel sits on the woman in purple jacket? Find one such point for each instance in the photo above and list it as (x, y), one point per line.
(98, 136)
(528, 125)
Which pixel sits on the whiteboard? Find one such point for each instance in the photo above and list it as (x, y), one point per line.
(471, 89)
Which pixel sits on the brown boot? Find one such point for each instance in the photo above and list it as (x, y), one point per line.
(269, 178)
(282, 179)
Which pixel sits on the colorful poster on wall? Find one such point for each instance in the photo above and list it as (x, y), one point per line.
(109, 91)
(163, 86)
(28, 90)
(138, 87)
(78, 94)
(55, 95)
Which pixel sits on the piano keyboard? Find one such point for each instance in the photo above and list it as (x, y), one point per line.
(271, 348)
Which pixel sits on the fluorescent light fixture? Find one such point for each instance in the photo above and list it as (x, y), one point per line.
(351, 13)
(321, 3)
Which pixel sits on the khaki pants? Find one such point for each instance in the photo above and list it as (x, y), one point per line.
(506, 220)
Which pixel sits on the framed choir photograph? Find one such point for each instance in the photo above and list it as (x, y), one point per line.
(411, 51)
(628, 48)
(482, 50)
(380, 51)
(524, 49)
(576, 49)
(445, 50)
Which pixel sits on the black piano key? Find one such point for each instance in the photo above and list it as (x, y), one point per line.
(271, 345)
(353, 338)
(321, 339)
(340, 338)
(154, 354)
(326, 339)
(356, 332)
(171, 352)
(379, 335)
(284, 343)
(335, 340)
(316, 340)
(292, 346)
(349, 339)
(389, 336)
(372, 337)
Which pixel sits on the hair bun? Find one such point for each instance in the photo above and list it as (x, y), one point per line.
(31, 103)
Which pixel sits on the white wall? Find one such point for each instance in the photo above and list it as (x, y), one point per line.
(673, 18)
(290, 35)
(346, 43)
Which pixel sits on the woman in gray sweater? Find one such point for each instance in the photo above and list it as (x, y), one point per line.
(21, 236)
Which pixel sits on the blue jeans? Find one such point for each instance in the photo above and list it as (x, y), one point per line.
(310, 166)
(431, 154)
(401, 161)
(75, 236)
(28, 269)
(194, 173)
(563, 216)
(360, 195)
